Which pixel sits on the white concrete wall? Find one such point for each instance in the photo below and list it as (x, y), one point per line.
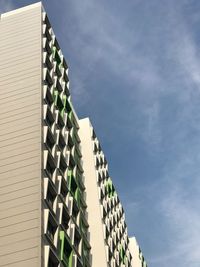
(20, 137)
(137, 257)
(94, 215)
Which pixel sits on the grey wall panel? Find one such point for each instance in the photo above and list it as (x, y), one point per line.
(20, 138)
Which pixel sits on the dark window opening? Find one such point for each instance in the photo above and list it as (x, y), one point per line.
(49, 117)
(50, 168)
(51, 229)
(50, 141)
(50, 196)
(65, 219)
(77, 239)
(63, 164)
(75, 211)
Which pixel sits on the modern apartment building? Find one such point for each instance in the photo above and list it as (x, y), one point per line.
(58, 205)
(137, 256)
(109, 238)
(43, 214)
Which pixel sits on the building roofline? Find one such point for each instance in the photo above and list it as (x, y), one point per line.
(21, 9)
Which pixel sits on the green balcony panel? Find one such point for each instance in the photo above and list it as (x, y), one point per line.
(83, 227)
(73, 119)
(78, 197)
(79, 179)
(70, 115)
(69, 173)
(66, 104)
(75, 136)
(66, 251)
(122, 254)
(58, 102)
(56, 56)
(110, 188)
(72, 182)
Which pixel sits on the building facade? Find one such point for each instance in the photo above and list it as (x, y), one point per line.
(137, 256)
(109, 238)
(58, 205)
(43, 214)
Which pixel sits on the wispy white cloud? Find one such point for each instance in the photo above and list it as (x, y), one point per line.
(108, 41)
(162, 78)
(179, 208)
(105, 39)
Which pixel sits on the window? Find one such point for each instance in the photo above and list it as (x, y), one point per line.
(50, 140)
(50, 167)
(48, 79)
(77, 239)
(79, 264)
(49, 117)
(56, 55)
(63, 189)
(47, 96)
(61, 141)
(75, 211)
(66, 251)
(51, 229)
(65, 219)
(50, 196)
(63, 164)
(53, 261)
(72, 182)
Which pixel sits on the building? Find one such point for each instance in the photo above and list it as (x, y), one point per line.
(137, 257)
(109, 238)
(43, 214)
(58, 205)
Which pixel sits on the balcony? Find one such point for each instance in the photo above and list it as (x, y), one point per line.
(47, 77)
(46, 46)
(50, 194)
(48, 116)
(58, 85)
(56, 55)
(47, 95)
(58, 101)
(73, 119)
(49, 164)
(66, 251)
(64, 216)
(47, 61)
(52, 259)
(50, 228)
(63, 188)
(46, 32)
(65, 77)
(66, 88)
(77, 239)
(67, 104)
(49, 138)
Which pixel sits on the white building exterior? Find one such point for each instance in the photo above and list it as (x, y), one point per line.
(137, 256)
(58, 205)
(108, 231)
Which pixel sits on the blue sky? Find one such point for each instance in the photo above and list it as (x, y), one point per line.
(135, 71)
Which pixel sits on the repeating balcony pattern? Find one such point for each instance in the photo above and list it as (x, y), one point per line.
(65, 218)
(44, 211)
(112, 213)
